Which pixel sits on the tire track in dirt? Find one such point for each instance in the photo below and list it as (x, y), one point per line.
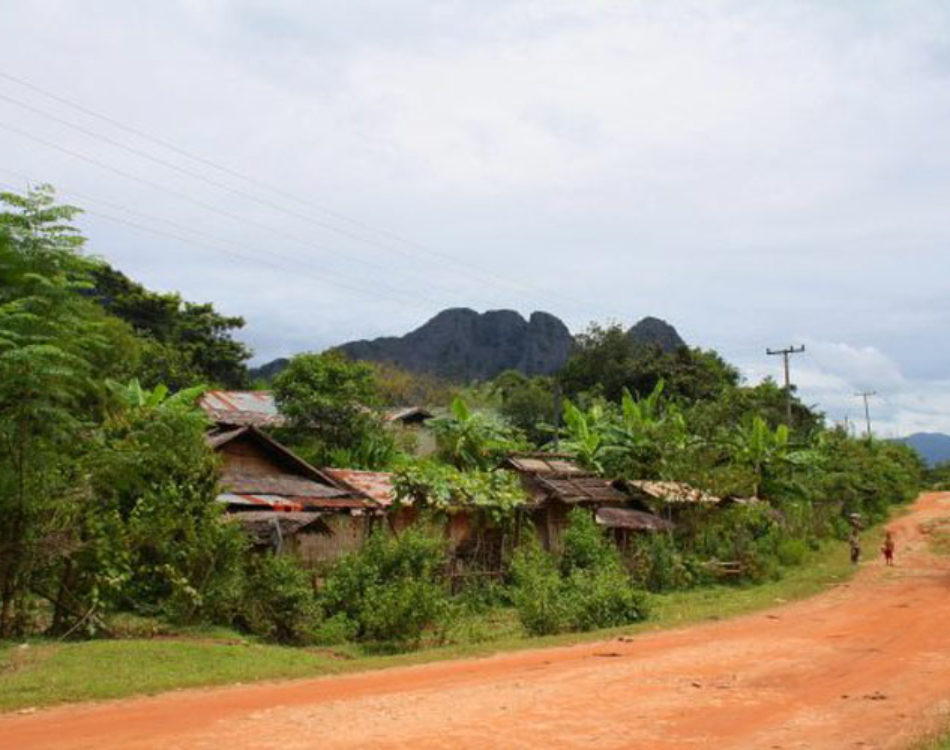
(866, 664)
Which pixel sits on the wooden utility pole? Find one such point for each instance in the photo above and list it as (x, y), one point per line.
(867, 410)
(788, 350)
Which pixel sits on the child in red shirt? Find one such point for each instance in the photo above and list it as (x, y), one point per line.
(888, 548)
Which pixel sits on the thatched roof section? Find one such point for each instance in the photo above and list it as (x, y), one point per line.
(634, 520)
(676, 493)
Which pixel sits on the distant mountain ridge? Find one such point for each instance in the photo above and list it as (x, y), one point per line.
(656, 332)
(463, 345)
(933, 447)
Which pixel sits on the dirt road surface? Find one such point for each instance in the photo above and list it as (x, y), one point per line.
(866, 664)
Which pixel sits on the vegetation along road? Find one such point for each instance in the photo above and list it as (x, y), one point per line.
(866, 664)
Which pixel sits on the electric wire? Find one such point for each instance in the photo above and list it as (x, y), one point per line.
(393, 237)
(282, 265)
(202, 204)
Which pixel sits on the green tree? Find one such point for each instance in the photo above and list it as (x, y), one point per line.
(527, 404)
(152, 537)
(327, 399)
(49, 339)
(184, 342)
(606, 361)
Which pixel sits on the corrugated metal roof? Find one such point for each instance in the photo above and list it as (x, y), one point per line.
(673, 492)
(241, 408)
(582, 489)
(252, 432)
(545, 464)
(275, 502)
(294, 502)
(635, 520)
(286, 484)
(377, 485)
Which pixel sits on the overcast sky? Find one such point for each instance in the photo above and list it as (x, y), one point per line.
(759, 174)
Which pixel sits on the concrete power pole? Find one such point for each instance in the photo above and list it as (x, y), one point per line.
(867, 410)
(788, 382)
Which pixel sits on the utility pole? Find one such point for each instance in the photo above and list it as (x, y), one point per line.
(867, 410)
(788, 350)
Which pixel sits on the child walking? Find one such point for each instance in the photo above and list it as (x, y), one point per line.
(888, 548)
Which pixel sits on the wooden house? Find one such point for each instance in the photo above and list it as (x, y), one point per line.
(556, 483)
(284, 502)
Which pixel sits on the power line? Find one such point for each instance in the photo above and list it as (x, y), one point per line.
(202, 204)
(433, 254)
(867, 409)
(789, 350)
(177, 168)
(324, 277)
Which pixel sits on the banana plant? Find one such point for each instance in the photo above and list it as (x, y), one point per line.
(470, 440)
(759, 448)
(133, 396)
(585, 434)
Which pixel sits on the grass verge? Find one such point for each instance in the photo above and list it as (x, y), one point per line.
(41, 673)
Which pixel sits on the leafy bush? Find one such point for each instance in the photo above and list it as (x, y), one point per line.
(538, 590)
(587, 589)
(657, 564)
(278, 601)
(392, 590)
(603, 598)
(444, 487)
(792, 552)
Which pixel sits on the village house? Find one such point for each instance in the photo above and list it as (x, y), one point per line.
(555, 484)
(473, 540)
(280, 499)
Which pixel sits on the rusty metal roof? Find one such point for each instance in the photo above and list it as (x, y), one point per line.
(673, 492)
(544, 464)
(581, 489)
(301, 467)
(285, 484)
(242, 408)
(376, 485)
(635, 520)
(293, 502)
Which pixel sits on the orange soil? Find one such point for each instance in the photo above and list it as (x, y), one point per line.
(866, 664)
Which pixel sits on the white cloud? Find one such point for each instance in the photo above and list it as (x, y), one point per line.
(751, 171)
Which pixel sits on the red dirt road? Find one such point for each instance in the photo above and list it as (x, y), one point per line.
(866, 664)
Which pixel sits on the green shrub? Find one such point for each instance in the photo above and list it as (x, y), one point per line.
(392, 590)
(603, 598)
(657, 564)
(538, 590)
(278, 602)
(584, 545)
(587, 589)
(792, 552)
